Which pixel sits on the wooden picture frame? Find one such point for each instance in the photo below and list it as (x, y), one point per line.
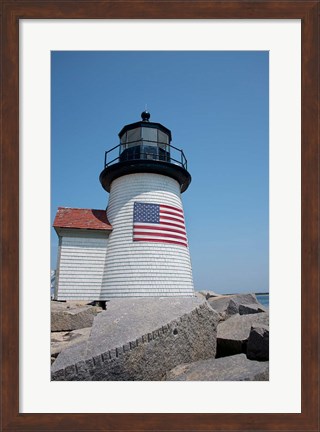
(14, 10)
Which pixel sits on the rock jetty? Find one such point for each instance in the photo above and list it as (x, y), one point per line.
(209, 337)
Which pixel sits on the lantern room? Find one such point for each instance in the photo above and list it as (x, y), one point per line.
(145, 140)
(145, 147)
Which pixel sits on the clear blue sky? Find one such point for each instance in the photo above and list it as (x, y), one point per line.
(216, 105)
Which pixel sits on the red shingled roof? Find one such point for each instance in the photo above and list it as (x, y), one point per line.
(81, 218)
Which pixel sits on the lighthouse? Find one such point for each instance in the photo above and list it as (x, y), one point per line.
(148, 252)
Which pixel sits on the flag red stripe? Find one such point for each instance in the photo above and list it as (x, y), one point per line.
(181, 226)
(175, 215)
(139, 233)
(164, 241)
(170, 218)
(171, 207)
(159, 227)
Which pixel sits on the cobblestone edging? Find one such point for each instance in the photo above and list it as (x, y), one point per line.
(187, 339)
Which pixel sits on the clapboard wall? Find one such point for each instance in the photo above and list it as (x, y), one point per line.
(81, 263)
(142, 269)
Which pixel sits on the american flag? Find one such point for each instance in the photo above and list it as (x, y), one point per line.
(159, 223)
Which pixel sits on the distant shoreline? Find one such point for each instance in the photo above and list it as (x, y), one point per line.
(256, 293)
(237, 293)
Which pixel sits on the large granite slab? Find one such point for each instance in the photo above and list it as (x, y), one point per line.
(67, 316)
(228, 305)
(233, 333)
(141, 339)
(233, 368)
(62, 340)
(258, 343)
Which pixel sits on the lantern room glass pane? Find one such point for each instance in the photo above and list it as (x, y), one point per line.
(123, 141)
(133, 135)
(149, 134)
(163, 137)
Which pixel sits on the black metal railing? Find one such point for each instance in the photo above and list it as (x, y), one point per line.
(145, 150)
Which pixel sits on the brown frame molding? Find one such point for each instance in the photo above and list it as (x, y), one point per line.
(12, 11)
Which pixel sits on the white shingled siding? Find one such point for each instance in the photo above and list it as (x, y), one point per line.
(143, 268)
(81, 264)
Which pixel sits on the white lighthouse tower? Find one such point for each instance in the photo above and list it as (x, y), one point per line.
(148, 252)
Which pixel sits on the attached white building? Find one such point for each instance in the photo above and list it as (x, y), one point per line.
(83, 240)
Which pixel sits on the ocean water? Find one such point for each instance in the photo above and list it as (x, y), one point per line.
(263, 299)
